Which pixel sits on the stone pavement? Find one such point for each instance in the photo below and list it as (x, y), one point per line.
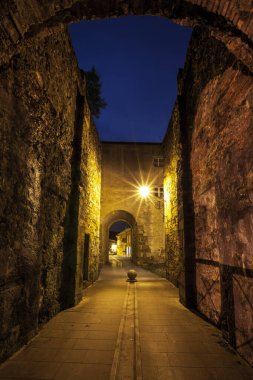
(127, 331)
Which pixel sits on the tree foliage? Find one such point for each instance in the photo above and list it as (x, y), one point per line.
(93, 89)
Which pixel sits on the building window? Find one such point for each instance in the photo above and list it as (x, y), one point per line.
(158, 192)
(158, 162)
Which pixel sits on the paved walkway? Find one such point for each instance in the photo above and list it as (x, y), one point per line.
(123, 331)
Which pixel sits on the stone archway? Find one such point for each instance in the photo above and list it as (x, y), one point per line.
(112, 217)
(231, 22)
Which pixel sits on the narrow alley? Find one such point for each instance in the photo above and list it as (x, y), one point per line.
(126, 133)
(123, 330)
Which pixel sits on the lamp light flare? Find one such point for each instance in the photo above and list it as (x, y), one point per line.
(144, 191)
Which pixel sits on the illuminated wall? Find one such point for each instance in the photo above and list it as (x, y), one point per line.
(50, 187)
(89, 203)
(124, 242)
(173, 201)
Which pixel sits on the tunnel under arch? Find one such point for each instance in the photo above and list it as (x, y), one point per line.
(107, 222)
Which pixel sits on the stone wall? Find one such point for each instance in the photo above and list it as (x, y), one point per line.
(222, 169)
(216, 115)
(173, 213)
(125, 166)
(40, 135)
(89, 208)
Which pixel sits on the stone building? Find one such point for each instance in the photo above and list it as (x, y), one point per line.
(125, 168)
(50, 167)
(124, 243)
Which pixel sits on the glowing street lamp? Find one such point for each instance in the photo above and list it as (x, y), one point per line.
(144, 191)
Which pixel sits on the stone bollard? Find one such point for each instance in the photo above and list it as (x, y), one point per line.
(131, 274)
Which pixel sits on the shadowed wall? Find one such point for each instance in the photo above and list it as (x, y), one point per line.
(208, 173)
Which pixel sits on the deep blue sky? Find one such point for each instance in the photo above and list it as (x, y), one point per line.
(138, 60)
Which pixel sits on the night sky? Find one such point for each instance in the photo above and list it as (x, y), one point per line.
(138, 60)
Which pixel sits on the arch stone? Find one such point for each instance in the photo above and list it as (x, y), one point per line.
(106, 223)
(116, 215)
(231, 21)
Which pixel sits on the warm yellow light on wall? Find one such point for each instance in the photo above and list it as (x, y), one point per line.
(144, 191)
(114, 247)
(166, 195)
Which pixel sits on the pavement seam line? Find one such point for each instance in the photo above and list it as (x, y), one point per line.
(115, 363)
(138, 368)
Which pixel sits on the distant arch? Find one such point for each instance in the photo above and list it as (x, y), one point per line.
(107, 222)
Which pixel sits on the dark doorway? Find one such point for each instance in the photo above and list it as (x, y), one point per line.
(86, 251)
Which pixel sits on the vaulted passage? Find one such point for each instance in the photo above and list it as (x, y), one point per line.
(60, 185)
